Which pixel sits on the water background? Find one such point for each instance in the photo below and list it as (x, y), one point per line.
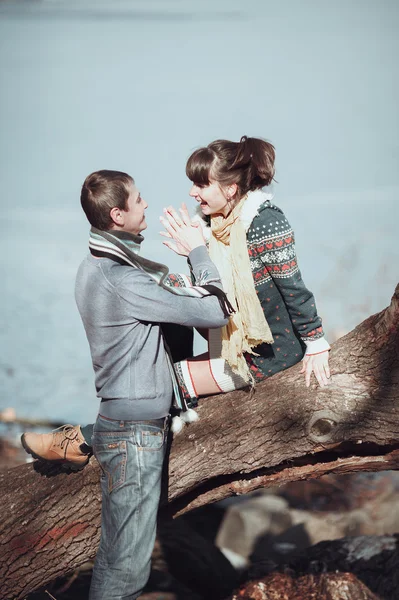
(136, 86)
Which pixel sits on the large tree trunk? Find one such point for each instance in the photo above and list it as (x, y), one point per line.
(282, 432)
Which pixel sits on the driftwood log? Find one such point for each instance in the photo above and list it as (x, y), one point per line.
(283, 432)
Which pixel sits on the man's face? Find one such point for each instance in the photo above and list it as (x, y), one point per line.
(134, 217)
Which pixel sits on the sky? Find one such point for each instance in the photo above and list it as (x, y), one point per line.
(137, 86)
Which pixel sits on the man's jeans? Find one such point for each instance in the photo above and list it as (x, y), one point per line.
(131, 455)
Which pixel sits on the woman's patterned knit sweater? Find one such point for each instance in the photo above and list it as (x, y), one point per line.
(289, 307)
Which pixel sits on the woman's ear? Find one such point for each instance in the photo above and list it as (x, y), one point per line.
(231, 191)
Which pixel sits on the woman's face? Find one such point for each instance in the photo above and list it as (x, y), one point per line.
(212, 199)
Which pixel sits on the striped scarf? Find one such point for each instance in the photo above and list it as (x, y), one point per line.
(124, 247)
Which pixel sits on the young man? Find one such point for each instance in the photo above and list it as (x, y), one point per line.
(123, 302)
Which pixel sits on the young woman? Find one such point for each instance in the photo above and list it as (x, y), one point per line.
(252, 244)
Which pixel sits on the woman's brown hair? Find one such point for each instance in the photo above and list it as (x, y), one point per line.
(249, 163)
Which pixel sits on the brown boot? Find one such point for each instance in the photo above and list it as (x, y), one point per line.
(65, 446)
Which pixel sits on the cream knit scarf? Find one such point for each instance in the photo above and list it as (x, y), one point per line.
(247, 328)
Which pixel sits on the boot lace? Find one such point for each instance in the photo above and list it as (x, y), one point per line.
(65, 435)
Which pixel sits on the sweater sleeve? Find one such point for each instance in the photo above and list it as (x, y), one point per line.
(277, 252)
(145, 300)
(202, 271)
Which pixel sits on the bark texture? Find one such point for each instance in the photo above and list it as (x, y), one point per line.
(282, 432)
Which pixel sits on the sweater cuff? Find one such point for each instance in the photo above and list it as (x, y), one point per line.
(198, 255)
(316, 346)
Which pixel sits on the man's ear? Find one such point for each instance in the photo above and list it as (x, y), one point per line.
(117, 216)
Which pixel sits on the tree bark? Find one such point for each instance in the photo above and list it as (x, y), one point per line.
(282, 432)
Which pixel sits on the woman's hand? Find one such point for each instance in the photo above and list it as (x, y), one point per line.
(183, 235)
(317, 364)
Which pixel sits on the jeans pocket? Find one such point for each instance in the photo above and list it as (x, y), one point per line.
(151, 439)
(112, 458)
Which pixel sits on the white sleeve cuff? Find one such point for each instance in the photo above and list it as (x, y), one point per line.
(316, 346)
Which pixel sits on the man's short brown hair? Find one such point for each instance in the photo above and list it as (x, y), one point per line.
(102, 191)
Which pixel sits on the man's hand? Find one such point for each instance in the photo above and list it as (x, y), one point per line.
(183, 235)
(317, 364)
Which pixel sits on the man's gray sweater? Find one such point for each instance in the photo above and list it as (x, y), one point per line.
(122, 309)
